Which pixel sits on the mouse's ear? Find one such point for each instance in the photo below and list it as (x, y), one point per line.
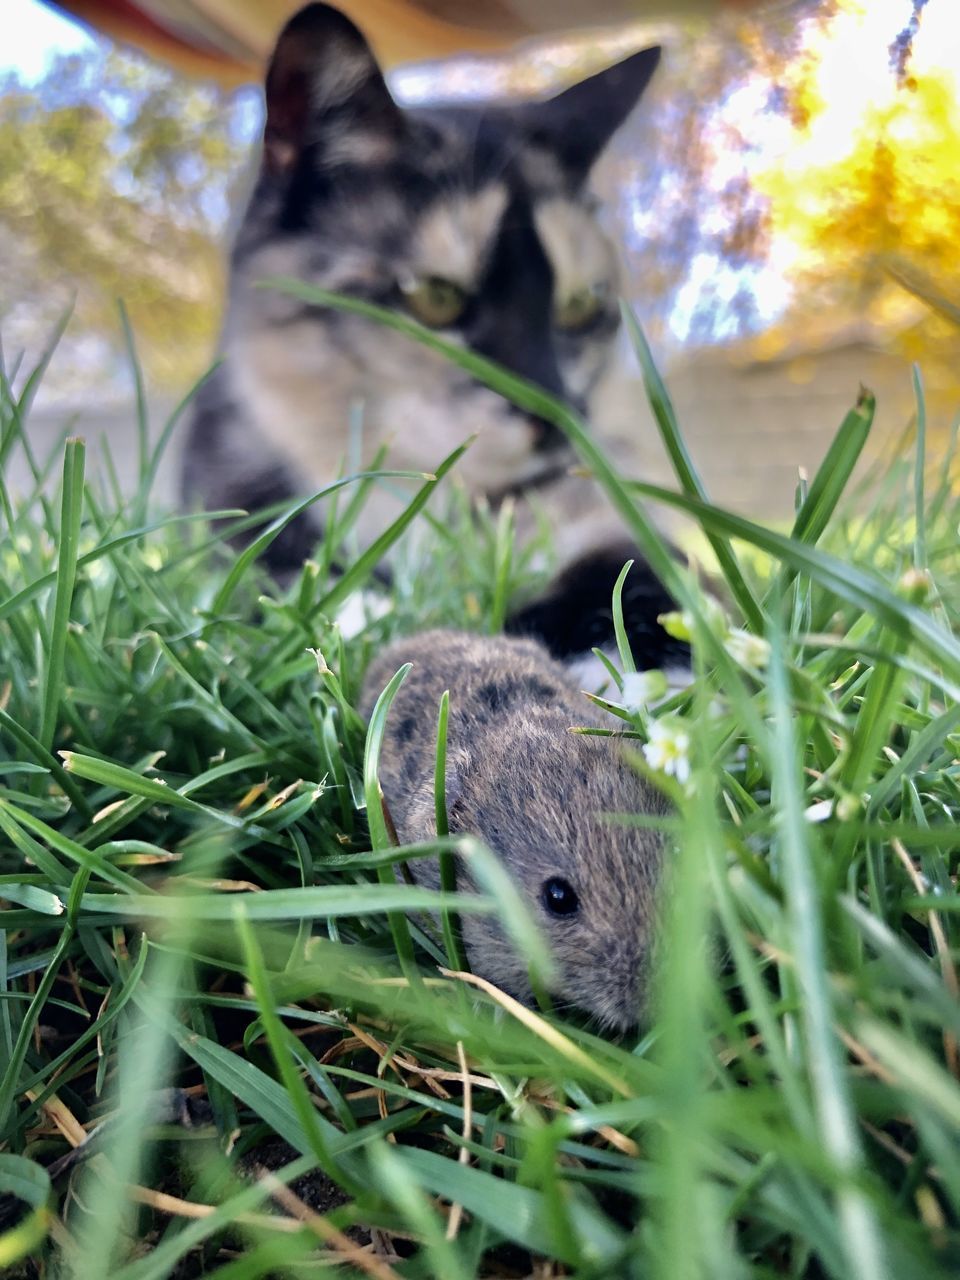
(324, 90)
(458, 766)
(422, 812)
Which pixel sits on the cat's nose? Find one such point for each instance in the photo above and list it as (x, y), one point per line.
(547, 438)
(544, 436)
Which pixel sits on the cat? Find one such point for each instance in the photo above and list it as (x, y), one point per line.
(477, 221)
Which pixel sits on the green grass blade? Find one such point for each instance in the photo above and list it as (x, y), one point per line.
(161, 1261)
(857, 586)
(923, 287)
(142, 412)
(619, 628)
(834, 472)
(32, 384)
(380, 835)
(10, 1076)
(106, 549)
(393, 1176)
(317, 1131)
(29, 1183)
(511, 1210)
(148, 478)
(863, 1237)
(46, 760)
(686, 473)
(448, 862)
(919, 475)
(365, 563)
(502, 562)
(260, 544)
(316, 902)
(71, 514)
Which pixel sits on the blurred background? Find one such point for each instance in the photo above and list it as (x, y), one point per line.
(787, 200)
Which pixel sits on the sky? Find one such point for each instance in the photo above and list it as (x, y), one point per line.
(33, 34)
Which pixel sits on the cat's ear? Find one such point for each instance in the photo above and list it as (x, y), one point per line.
(325, 91)
(577, 124)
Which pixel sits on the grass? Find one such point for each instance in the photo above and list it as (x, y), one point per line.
(198, 890)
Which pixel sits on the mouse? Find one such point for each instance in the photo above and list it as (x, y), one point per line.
(536, 794)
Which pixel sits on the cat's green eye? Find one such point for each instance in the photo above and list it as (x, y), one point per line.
(434, 301)
(578, 310)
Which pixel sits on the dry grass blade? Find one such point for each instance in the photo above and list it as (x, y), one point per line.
(545, 1030)
(342, 1245)
(456, 1210)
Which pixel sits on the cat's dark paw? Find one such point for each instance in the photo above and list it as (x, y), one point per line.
(575, 614)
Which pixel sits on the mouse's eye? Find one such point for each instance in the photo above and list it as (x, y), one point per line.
(559, 896)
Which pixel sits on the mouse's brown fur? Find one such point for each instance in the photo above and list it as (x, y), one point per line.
(535, 794)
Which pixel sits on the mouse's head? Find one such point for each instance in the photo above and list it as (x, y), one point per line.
(538, 798)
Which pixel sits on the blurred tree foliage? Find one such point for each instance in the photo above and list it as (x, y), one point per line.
(117, 177)
(874, 231)
(115, 180)
(680, 180)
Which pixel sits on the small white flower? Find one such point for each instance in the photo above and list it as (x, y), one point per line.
(643, 688)
(748, 651)
(362, 608)
(322, 668)
(668, 747)
(819, 812)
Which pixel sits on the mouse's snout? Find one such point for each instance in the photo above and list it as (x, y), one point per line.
(607, 976)
(622, 1002)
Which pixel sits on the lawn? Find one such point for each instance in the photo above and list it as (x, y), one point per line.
(204, 943)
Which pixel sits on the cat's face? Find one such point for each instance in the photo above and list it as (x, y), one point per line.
(475, 221)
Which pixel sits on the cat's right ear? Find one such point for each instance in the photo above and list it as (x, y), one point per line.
(325, 92)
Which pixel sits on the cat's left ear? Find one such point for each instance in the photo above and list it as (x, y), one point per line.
(577, 124)
(325, 92)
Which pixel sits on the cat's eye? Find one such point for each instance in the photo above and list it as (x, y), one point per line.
(434, 301)
(559, 896)
(578, 310)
